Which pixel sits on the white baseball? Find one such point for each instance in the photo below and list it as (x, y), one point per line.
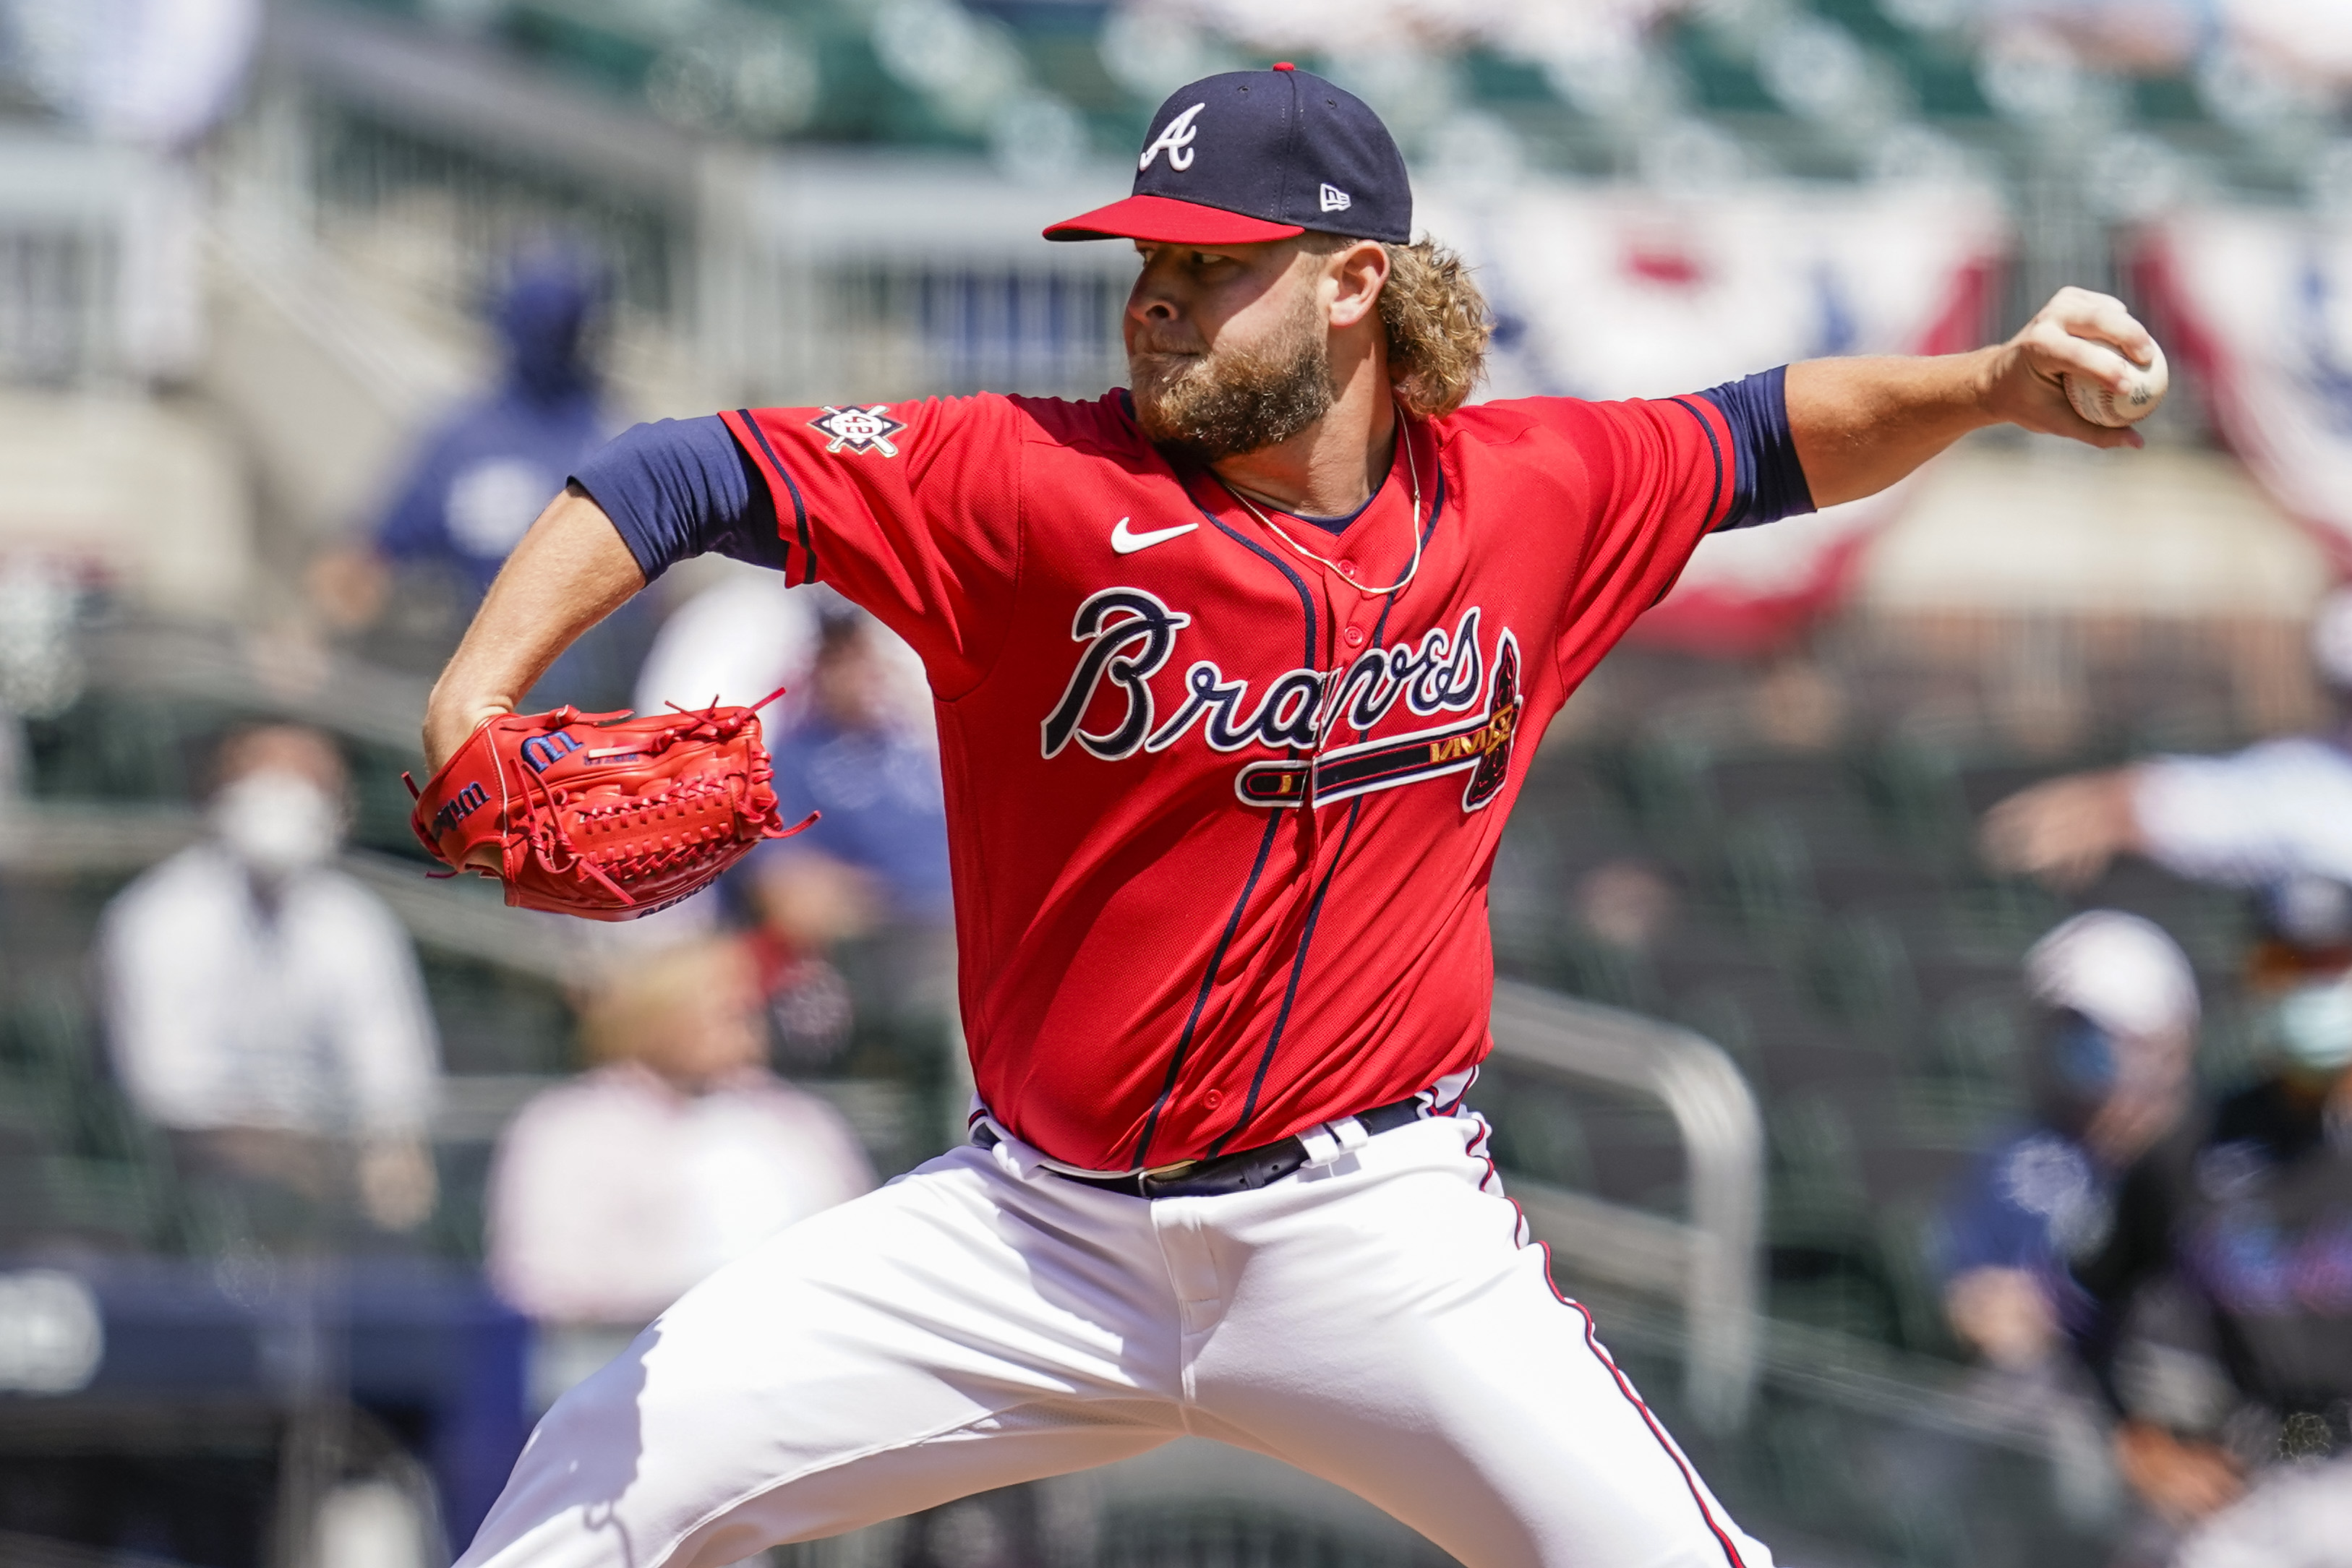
(2143, 390)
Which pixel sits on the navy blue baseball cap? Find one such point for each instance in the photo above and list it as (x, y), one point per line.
(1259, 156)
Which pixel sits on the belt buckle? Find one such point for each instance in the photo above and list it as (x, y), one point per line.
(1160, 1176)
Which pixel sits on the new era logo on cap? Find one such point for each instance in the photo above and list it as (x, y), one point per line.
(1259, 156)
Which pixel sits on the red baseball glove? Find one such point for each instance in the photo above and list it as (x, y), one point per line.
(607, 816)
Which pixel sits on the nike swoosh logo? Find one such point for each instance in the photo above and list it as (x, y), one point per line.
(1127, 541)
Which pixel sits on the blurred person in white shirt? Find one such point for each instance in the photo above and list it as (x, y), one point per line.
(614, 1194)
(2275, 811)
(266, 1011)
(745, 635)
(739, 639)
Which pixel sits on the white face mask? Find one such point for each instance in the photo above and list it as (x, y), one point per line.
(277, 822)
(2314, 1024)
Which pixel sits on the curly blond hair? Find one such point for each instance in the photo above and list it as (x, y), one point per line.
(1437, 319)
(1438, 326)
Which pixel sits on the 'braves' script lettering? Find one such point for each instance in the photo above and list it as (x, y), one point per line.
(1129, 635)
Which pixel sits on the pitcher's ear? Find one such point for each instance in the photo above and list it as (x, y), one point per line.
(1362, 270)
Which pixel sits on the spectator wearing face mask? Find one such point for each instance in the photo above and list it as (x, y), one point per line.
(266, 1011)
(2115, 1011)
(2249, 1206)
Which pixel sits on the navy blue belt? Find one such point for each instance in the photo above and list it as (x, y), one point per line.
(1245, 1170)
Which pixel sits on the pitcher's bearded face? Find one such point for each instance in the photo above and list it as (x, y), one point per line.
(1238, 394)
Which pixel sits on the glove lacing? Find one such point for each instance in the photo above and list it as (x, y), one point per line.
(550, 844)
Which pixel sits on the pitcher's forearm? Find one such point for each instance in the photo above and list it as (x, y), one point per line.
(1861, 424)
(570, 570)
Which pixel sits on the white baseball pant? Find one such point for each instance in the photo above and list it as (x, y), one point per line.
(1380, 1323)
(2295, 1515)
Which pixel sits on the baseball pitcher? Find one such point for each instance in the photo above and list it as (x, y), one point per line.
(1238, 672)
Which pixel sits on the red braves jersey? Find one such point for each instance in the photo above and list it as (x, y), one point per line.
(1221, 819)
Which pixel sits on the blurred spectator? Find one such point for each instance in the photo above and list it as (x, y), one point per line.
(263, 1008)
(2251, 1209)
(744, 637)
(1624, 903)
(479, 479)
(868, 884)
(612, 1195)
(2248, 1207)
(879, 854)
(2280, 809)
(2117, 1011)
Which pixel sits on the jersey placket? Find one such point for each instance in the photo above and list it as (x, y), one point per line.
(1185, 1082)
(1371, 553)
(1318, 850)
(1350, 620)
(1356, 621)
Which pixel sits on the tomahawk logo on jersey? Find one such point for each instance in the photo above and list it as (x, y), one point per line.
(1236, 887)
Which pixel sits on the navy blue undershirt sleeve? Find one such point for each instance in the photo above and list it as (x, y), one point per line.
(682, 487)
(1769, 482)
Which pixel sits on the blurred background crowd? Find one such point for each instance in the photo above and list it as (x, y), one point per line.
(1993, 835)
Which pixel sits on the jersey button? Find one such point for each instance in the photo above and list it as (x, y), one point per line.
(1347, 569)
(1355, 636)
(1212, 1099)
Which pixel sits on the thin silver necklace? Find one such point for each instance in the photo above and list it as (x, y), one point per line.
(1413, 521)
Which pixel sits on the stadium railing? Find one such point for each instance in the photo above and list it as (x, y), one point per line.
(1710, 1261)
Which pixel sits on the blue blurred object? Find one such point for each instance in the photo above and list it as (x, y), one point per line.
(2083, 1057)
(483, 474)
(542, 317)
(2017, 1204)
(883, 810)
(424, 1345)
(484, 471)
(2311, 915)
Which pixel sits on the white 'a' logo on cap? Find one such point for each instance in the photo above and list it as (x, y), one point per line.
(1176, 137)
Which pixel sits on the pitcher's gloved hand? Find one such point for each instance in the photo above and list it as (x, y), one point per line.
(606, 816)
